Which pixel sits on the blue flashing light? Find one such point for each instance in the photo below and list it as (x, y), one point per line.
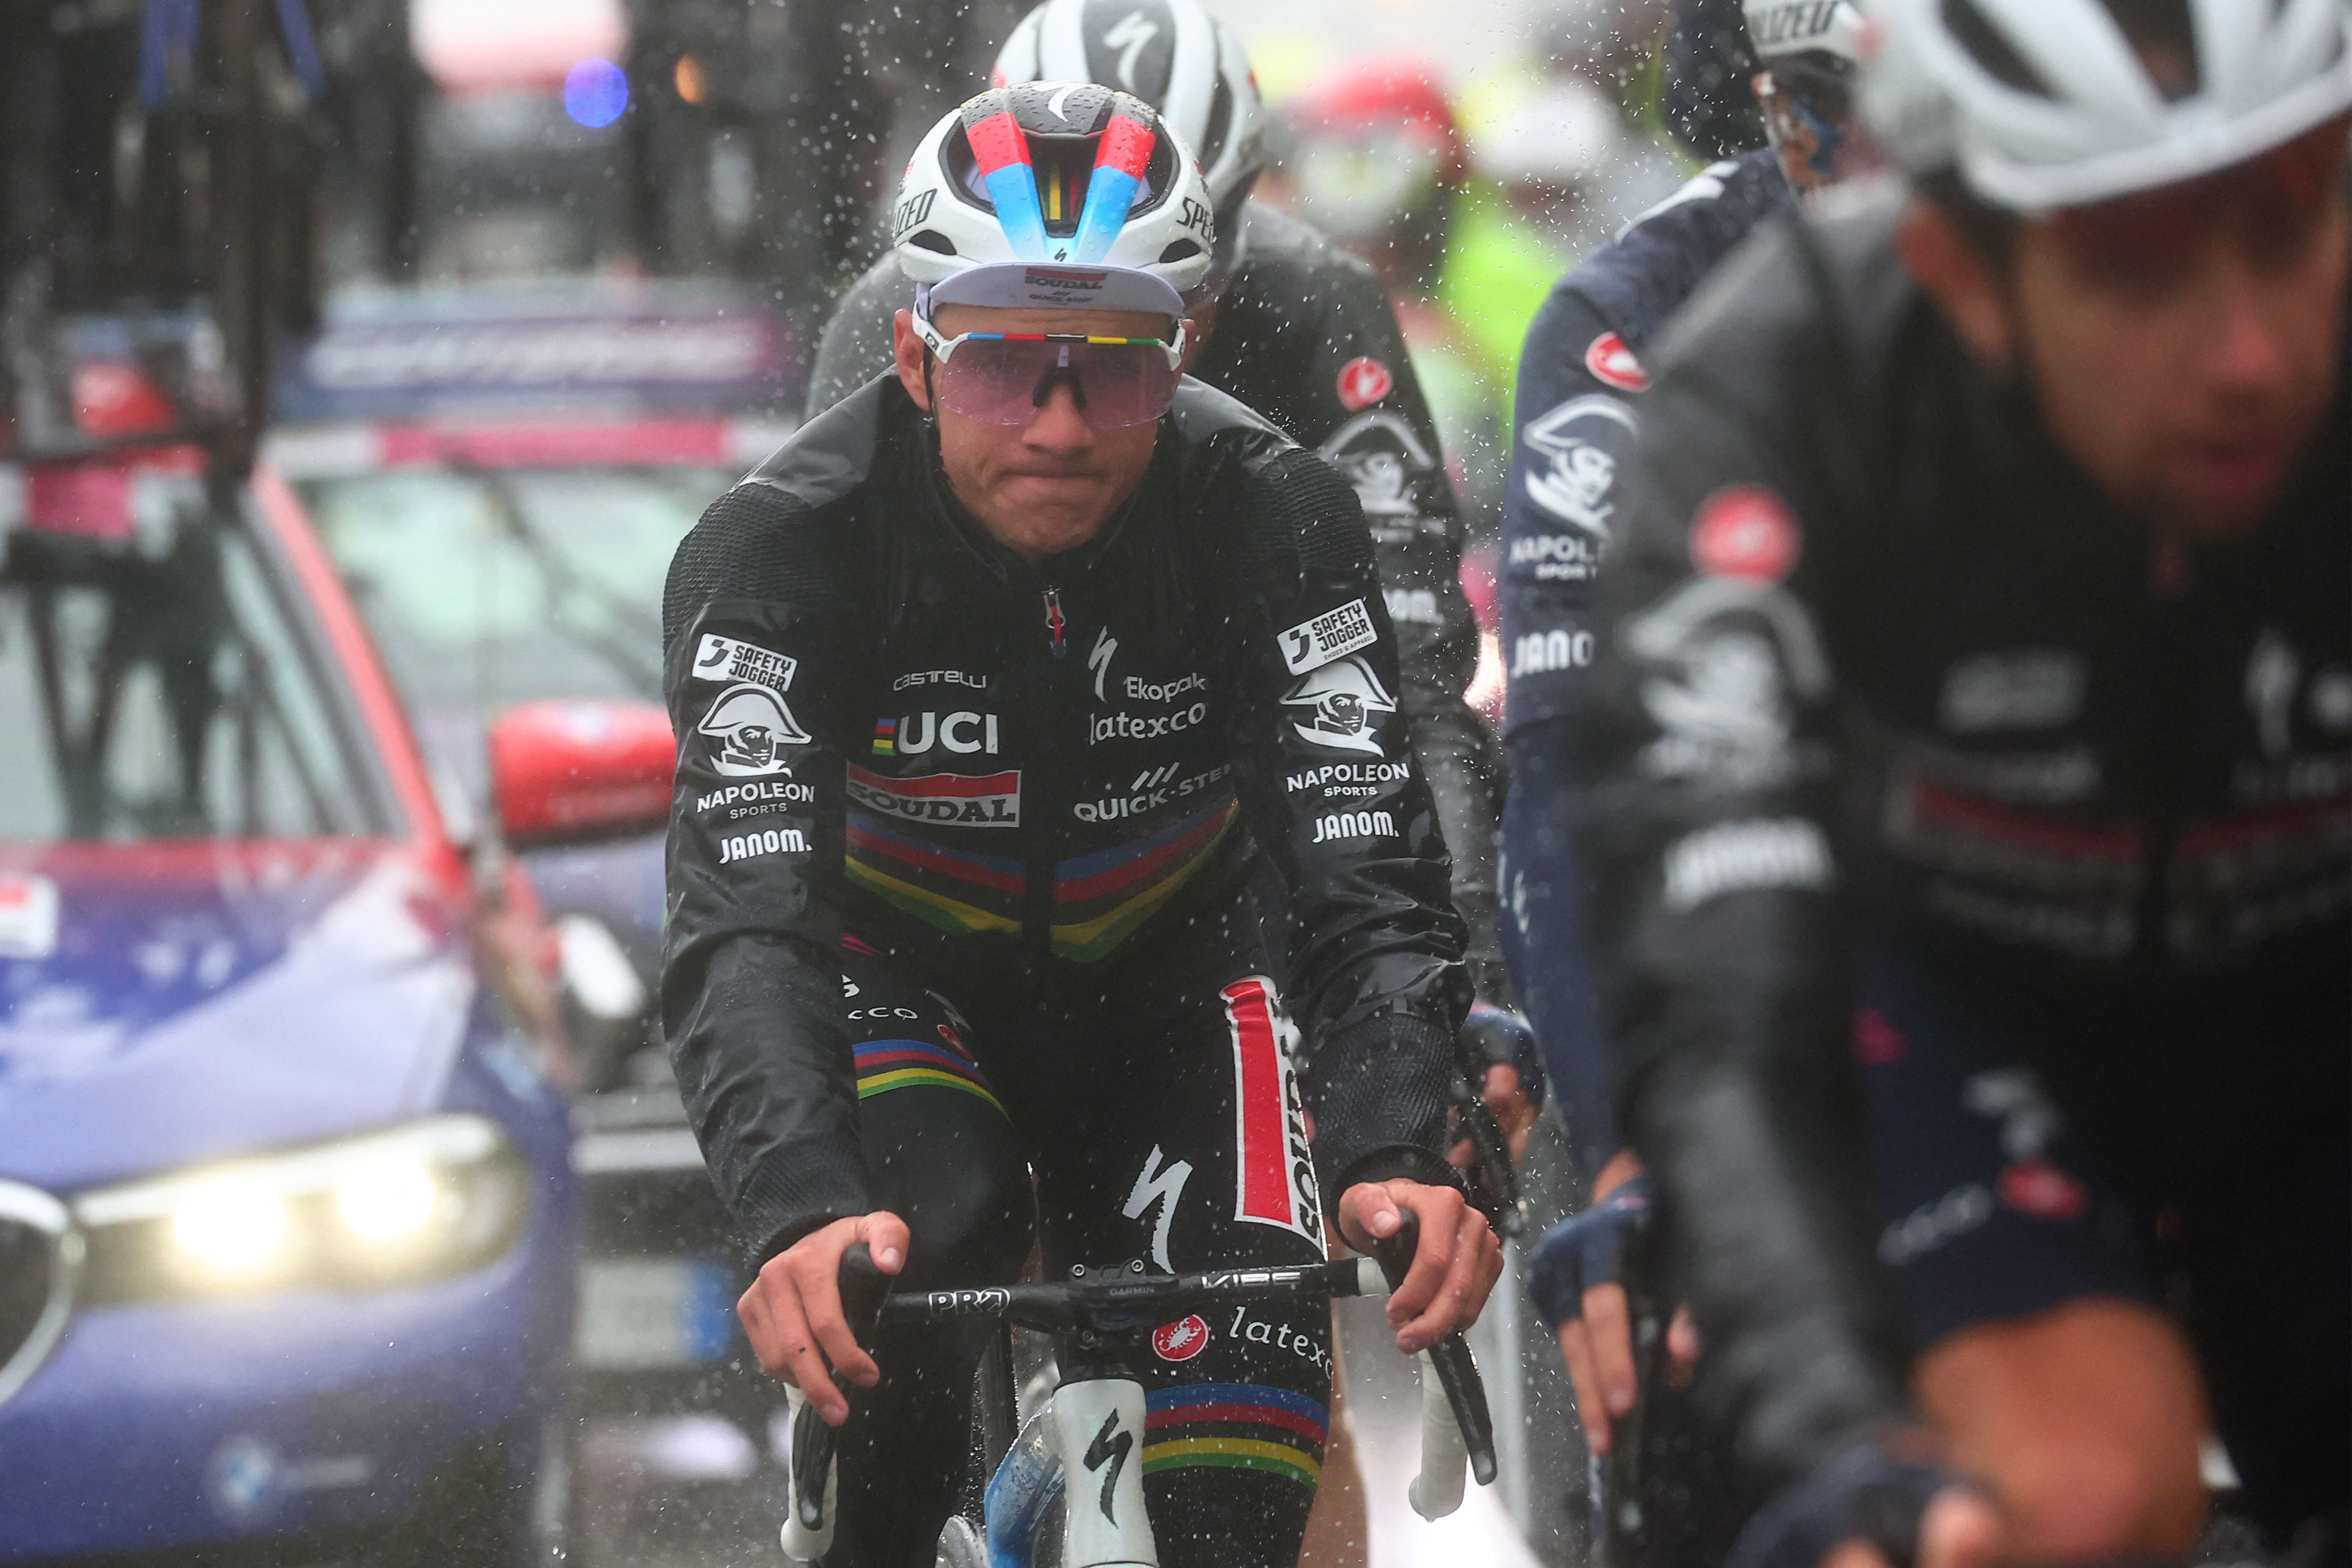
(594, 92)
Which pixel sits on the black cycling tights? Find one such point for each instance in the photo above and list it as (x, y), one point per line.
(1154, 1105)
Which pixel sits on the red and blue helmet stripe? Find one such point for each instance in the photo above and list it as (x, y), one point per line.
(1119, 165)
(1002, 151)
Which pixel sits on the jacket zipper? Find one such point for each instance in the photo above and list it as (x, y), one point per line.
(1041, 787)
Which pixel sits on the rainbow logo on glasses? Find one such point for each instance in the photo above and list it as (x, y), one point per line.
(1057, 338)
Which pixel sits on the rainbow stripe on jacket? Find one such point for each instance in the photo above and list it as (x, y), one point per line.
(886, 1065)
(1238, 1425)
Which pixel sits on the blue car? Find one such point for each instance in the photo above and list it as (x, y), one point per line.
(288, 1222)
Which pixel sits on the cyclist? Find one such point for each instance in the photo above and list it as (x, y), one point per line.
(1963, 771)
(1581, 379)
(994, 682)
(1301, 332)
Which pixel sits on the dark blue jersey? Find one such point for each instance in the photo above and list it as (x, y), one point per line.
(1581, 377)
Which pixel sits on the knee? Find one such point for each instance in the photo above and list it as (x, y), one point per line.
(2085, 1420)
(2098, 1498)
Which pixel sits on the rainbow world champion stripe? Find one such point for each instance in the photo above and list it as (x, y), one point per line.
(1235, 1426)
(886, 1065)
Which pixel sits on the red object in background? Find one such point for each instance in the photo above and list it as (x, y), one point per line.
(1388, 95)
(92, 499)
(564, 772)
(111, 399)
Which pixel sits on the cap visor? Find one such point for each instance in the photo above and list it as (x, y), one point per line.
(1058, 286)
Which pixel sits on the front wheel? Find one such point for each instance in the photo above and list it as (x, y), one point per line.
(961, 1544)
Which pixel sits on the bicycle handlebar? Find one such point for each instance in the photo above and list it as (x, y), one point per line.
(1458, 1374)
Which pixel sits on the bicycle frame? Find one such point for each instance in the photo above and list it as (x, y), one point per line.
(1086, 1445)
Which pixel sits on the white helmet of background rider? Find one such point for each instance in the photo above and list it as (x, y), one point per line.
(1175, 57)
(1057, 194)
(1780, 27)
(2046, 104)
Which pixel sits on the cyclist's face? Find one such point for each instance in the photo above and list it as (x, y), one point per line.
(1050, 485)
(2183, 344)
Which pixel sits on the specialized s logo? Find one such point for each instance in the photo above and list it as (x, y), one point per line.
(749, 726)
(1098, 658)
(1344, 703)
(1109, 1448)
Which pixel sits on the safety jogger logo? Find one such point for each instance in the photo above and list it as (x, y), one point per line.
(1274, 1177)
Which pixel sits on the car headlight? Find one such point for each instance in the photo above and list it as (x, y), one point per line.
(422, 1202)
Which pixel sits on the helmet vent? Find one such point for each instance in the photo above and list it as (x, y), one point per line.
(932, 239)
(1221, 122)
(1976, 33)
(1177, 252)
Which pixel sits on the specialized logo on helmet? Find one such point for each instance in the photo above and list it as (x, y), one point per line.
(1745, 532)
(1364, 380)
(1183, 1340)
(1613, 364)
(751, 725)
(1344, 702)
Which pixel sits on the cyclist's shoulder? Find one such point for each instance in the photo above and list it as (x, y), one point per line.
(1291, 267)
(1802, 315)
(1251, 483)
(1638, 281)
(797, 525)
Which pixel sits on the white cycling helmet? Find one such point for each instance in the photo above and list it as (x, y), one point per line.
(1780, 27)
(1060, 194)
(1170, 53)
(2054, 102)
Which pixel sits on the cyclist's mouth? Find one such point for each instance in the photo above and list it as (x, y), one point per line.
(2243, 473)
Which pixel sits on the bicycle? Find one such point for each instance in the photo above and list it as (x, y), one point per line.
(1099, 1320)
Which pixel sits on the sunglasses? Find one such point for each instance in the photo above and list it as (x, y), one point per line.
(1005, 378)
(2273, 203)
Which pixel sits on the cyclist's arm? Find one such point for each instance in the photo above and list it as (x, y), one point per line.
(1437, 637)
(1574, 433)
(854, 346)
(1701, 816)
(1336, 798)
(751, 993)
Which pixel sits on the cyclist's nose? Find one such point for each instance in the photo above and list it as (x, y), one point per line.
(1060, 422)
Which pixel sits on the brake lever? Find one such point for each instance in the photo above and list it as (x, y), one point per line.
(864, 1288)
(1500, 1177)
(1458, 1372)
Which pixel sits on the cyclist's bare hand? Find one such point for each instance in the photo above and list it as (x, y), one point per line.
(792, 1311)
(1515, 1115)
(1599, 1345)
(1456, 1263)
(1961, 1528)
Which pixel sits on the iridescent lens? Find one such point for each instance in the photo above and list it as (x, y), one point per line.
(1008, 380)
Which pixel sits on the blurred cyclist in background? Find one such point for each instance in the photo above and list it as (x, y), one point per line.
(1302, 332)
(1579, 382)
(1965, 768)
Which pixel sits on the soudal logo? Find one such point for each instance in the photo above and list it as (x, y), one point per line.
(1045, 277)
(1181, 1339)
(1613, 364)
(1364, 380)
(949, 799)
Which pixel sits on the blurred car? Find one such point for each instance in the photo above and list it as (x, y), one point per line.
(502, 475)
(287, 1215)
